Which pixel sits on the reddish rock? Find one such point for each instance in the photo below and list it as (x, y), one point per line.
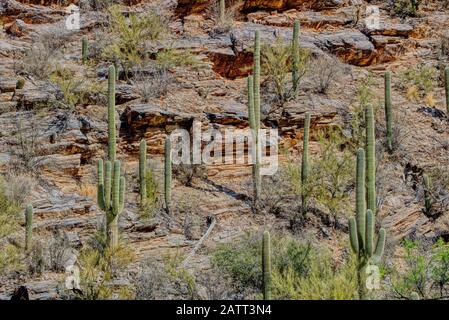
(18, 28)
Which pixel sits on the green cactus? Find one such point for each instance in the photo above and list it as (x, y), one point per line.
(370, 148)
(361, 230)
(222, 11)
(446, 82)
(388, 112)
(111, 115)
(266, 266)
(28, 227)
(256, 124)
(84, 50)
(295, 59)
(427, 195)
(111, 192)
(305, 162)
(143, 170)
(167, 175)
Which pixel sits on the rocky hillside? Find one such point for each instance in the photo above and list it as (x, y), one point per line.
(54, 121)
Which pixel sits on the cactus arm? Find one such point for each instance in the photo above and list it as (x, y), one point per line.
(353, 235)
(380, 246)
(100, 187)
(29, 226)
(143, 169)
(122, 194)
(107, 185)
(84, 49)
(116, 188)
(370, 160)
(266, 266)
(251, 115)
(369, 233)
(111, 114)
(305, 160)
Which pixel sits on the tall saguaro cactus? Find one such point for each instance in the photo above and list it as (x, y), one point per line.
(305, 162)
(446, 85)
(266, 265)
(28, 227)
(388, 112)
(111, 197)
(295, 53)
(361, 230)
(370, 147)
(256, 122)
(167, 175)
(143, 170)
(84, 49)
(111, 115)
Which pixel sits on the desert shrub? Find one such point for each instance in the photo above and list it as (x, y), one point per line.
(129, 35)
(423, 268)
(69, 86)
(437, 194)
(10, 255)
(99, 266)
(277, 65)
(170, 57)
(241, 260)
(164, 280)
(151, 83)
(333, 173)
(223, 23)
(185, 173)
(419, 82)
(406, 7)
(326, 70)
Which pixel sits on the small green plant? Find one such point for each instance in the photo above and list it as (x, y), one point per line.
(419, 82)
(305, 162)
(169, 58)
(72, 87)
(129, 35)
(28, 227)
(84, 49)
(406, 7)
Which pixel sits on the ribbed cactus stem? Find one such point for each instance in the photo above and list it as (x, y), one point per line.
(295, 58)
(427, 196)
(111, 198)
(266, 266)
(28, 227)
(305, 162)
(222, 11)
(446, 85)
(370, 160)
(167, 174)
(111, 115)
(143, 170)
(388, 112)
(84, 49)
(256, 104)
(251, 115)
(360, 197)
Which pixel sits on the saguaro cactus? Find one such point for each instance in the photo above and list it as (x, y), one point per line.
(28, 227)
(388, 112)
(222, 11)
(111, 195)
(143, 170)
(361, 230)
(167, 174)
(295, 59)
(305, 162)
(370, 160)
(446, 82)
(256, 125)
(427, 196)
(111, 115)
(266, 265)
(84, 49)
